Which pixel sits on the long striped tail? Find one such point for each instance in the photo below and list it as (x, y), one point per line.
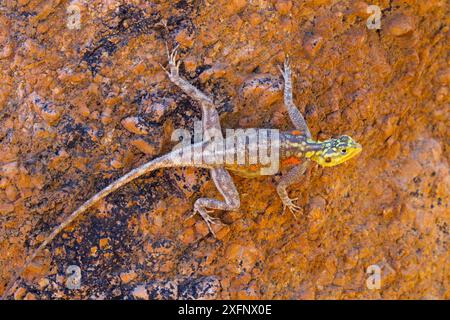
(168, 160)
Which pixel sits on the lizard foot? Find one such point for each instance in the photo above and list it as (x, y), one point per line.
(294, 208)
(173, 65)
(286, 70)
(206, 217)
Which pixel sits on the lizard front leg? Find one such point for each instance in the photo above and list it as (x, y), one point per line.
(295, 115)
(226, 187)
(291, 177)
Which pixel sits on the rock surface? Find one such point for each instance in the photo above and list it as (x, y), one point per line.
(83, 101)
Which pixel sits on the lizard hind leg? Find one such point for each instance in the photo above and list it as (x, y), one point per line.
(226, 187)
(200, 208)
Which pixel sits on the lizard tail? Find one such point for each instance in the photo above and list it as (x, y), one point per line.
(165, 161)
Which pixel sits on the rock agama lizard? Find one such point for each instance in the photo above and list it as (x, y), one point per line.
(295, 146)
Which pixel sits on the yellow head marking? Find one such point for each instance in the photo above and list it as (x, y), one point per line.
(336, 151)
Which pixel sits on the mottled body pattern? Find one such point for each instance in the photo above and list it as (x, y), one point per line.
(296, 146)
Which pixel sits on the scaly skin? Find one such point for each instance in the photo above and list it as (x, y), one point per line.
(297, 148)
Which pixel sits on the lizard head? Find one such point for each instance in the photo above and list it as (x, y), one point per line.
(336, 151)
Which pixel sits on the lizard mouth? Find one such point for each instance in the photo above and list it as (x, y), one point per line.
(357, 149)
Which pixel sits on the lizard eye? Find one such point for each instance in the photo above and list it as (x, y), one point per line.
(344, 151)
(328, 159)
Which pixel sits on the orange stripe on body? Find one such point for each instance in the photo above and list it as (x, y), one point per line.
(291, 160)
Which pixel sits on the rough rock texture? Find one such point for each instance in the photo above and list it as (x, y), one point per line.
(81, 107)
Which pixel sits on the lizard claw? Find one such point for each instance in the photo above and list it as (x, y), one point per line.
(173, 65)
(206, 217)
(286, 62)
(294, 208)
(164, 68)
(281, 70)
(286, 69)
